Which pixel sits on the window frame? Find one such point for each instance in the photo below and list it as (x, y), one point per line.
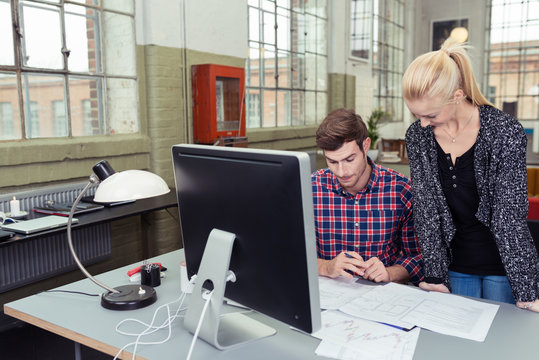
(298, 86)
(105, 126)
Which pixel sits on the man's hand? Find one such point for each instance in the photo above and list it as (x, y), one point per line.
(374, 270)
(433, 287)
(337, 266)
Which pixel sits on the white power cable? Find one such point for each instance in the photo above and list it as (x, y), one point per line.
(151, 328)
(199, 325)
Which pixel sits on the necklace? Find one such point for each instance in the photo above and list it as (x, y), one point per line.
(454, 138)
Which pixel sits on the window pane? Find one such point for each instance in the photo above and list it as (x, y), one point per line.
(253, 109)
(310, 72)
(297, 108)
(86, 96)
(268, 28)
(269, 66)
(298, 36)
(283, 30)
(297, 72)
(40, 91)
(321, 31)
(88, 2)
(310, 37)
(10, 120)
(283, 108)
(254, 25)
(42, 46)
(310, 108)
(122, 106)
(59, 118)
(6, 35)
(253, 66)
(83, 39)
(321, 73)
(284, 69)
(119, 44)
(270, 108)
(126, 6)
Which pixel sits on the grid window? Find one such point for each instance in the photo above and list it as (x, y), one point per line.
(388, 56)
(287, 63)
(360, 28)
(76, 76)
(512, 56)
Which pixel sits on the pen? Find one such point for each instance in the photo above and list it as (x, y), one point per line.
(348, 255)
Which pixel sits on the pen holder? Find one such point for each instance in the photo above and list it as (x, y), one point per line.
(150, 274)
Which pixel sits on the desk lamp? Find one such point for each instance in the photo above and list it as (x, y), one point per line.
(113, 187)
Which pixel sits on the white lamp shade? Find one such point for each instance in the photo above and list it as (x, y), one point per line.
(130, 185)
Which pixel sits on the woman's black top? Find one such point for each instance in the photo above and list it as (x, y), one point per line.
(473, 248)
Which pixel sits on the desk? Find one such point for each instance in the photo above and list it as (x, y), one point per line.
(513, 334)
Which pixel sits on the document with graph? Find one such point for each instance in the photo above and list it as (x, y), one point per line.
(349, 338)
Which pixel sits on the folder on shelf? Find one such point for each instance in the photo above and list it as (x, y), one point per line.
(63, 209)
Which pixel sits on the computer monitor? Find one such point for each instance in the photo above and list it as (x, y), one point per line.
(248, 211)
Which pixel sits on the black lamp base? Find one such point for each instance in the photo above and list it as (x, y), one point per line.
(130, 297)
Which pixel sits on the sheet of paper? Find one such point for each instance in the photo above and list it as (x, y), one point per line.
(334, 293)
(350, 338)
(388, 304)
(453, 315)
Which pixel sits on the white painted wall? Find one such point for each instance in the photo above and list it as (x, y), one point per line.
(213, 26)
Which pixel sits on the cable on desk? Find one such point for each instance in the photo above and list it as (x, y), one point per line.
(195, 336)
(151, 328)
(70, 292)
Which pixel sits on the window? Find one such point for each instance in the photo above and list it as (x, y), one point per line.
(287, 63)
(512, 54)
(360, 28)
(85, 54)
(388, 56)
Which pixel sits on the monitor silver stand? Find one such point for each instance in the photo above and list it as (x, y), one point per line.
(222, 331)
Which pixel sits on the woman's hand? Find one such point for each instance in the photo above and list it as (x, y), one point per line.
(433, 287)
(532, 306)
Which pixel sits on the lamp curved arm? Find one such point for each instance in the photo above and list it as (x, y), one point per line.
(93, 179)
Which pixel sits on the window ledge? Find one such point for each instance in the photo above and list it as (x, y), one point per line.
(60, 149)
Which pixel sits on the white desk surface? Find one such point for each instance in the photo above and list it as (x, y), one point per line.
(514, 333)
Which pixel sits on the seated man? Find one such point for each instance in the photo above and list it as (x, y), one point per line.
(362, 211)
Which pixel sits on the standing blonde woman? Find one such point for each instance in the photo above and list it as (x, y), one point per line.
(468, 172)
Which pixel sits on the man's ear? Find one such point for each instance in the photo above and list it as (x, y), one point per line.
(366, 145)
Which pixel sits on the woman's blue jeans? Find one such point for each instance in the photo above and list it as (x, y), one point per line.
(491, 287)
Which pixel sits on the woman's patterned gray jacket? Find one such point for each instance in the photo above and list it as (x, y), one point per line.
(500, 172)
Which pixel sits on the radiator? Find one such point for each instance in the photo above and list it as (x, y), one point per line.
(27, 261)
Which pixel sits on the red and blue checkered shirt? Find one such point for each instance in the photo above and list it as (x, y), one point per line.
(377, 221)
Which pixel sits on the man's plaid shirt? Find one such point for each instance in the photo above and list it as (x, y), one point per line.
(377, 221)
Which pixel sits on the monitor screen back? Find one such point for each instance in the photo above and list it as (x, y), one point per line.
(265, 199)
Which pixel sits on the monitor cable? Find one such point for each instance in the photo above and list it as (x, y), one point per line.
(199, 325)
(151, 327)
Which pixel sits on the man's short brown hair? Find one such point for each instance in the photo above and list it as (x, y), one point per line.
(340, 126)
